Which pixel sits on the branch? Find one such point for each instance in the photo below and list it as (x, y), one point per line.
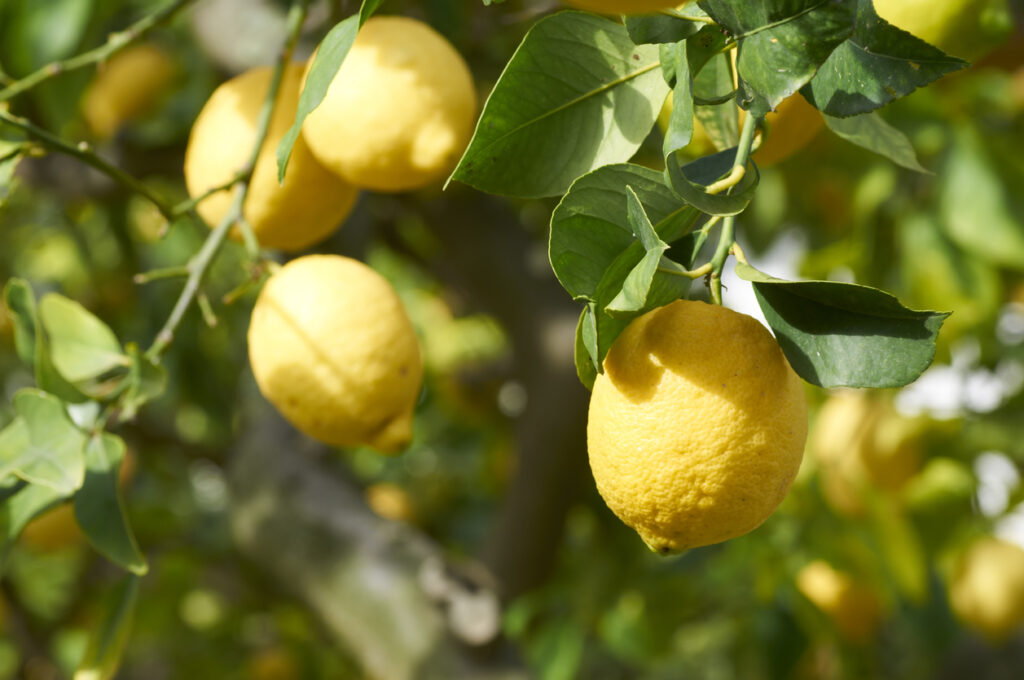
(200, 263)
(382, 589)
(84, 153)
(115, 43)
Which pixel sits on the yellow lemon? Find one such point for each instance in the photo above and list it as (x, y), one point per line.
(53, 530)
(696, 427)
(792, 126)
(126, 87)
(623, 6)
(987, 588)
(310, 204)
(852, 606)
(400, 111)
(390, 501)
(861, 444)
(333, 349)
(963, 28)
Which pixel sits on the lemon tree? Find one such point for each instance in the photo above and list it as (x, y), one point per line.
(698, 414)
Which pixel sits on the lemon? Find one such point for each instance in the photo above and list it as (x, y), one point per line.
(791, 127)
(333, 349)
(696, 427)
(390, 501)
(987, 588)
(622, 6)
(310, 204)
(963, 28)
(400, 111)
(862, 445)
(126, 87)
(853, 607)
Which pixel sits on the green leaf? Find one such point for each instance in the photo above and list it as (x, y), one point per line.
(877, 64)
(82, 346)
(680, 124)
(975, 207)
(21, 304)
(576, 95)
(781, 44)
(8, 164)
(590, 226)
(871, 132)
(645, 29)
(690, 182)
(637, 285)
(586, 347)
(14, 446)
(720, 121)
(841, 334)
(328, 59)
(54, 456)
(26, 504)
(98, 506)
(146, 381)
(107, 640)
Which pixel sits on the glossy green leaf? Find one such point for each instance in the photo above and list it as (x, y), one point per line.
(576, 95)
(81, 346)
(586, 347)
(975, 207)
(690, 182)
(54, 456)
(637, 284)
(877, 64)
(590, 226)
(328, 59)
(145, 382)
(872, 132)
(21, 305)
(842, 334)
(781, 43)
(720, 121)
(108, 639)
(98, 506)
(679, 131)
(670, 27)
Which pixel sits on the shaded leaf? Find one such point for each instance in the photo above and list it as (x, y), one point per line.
(146, 381)
(576, 95)
(108, 639)
(781, 44)
(691, 182)
(720, 121)
(27, 503)
(586, 347)
(98, 506)
(21, 305)
(8, 165)
(877, 64)
(679, 131)
(637, 284)
(81, 346)
(590, 226)
(663, 28)
(54, 456)
(872, 132)
(842, 334)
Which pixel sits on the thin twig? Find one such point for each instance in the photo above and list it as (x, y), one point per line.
(83, 152)
(200, 263)
(190, 204)
(728, 236)
(116, 42)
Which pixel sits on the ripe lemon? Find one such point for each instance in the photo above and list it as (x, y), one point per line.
(310, 204)
(852, 606)
(696, 427)
(390, 501)
(862, 444)
(400, 111)
(987, 588)
(622, 6)
(963, 28)
(333, 349)
(792, 126)
(126, 87)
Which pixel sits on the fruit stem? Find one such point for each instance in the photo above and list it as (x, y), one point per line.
(115, 43)
(728, 236)
(200, 263)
